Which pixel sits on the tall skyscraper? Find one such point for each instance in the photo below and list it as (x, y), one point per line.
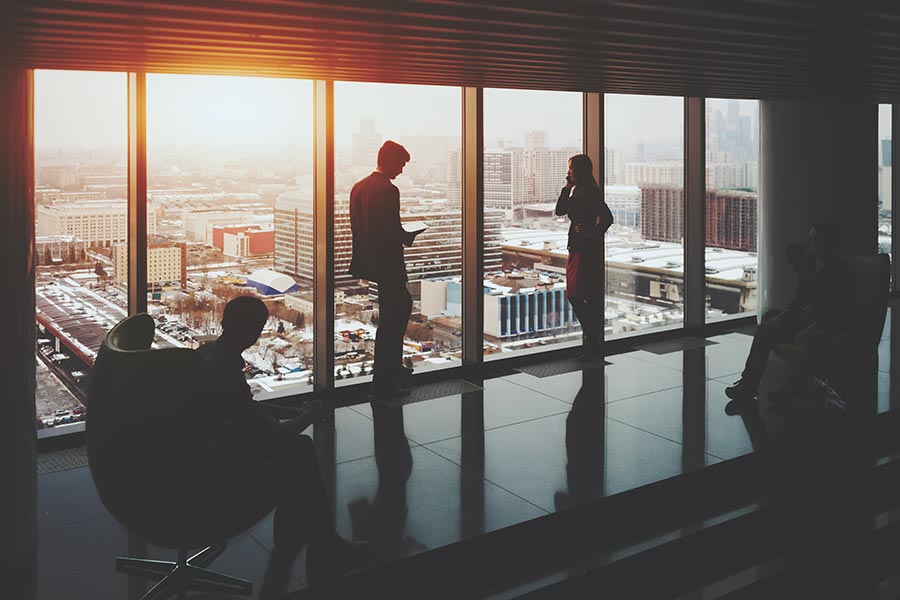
(662, 213)
(731, 217)
(99, 223)
(612, 166)
(437, 252)
(504, 180)
(294, 236)
(536, 139)
(366, 142)
(731, 220)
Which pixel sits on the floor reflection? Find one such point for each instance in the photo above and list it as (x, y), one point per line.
(382, 520)
(418, 477)
(585, 443)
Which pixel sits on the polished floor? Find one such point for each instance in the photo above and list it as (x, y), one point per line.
(491, 454)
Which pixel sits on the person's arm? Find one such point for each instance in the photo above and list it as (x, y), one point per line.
(309, 413)
(390, 218)
(798, 301)
(279, 411)
(605, 218)
(831, 317)
(842, 301)
(562, 203)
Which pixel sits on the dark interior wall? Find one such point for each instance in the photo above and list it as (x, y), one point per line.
(18, 444)
(818, 162)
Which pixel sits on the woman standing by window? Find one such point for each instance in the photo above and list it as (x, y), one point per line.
(582, 200)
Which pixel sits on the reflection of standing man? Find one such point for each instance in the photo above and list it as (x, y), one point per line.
(378, 240)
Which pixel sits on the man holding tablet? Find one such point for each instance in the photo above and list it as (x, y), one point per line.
(378, 240)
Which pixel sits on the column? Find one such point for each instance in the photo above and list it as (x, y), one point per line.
(473, 225)
(818, 162)
(18, 440)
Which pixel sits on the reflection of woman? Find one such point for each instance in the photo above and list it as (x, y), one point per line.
(582, 200)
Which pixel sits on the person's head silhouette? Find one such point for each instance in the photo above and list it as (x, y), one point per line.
(243, 321)
(392, 157)
(823, 240)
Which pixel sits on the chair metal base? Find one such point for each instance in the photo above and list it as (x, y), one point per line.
(823, 389)
(187, 574)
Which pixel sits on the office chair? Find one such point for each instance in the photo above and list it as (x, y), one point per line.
(143, 444)
(855, 350)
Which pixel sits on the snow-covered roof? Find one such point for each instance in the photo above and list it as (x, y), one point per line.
(279, 282)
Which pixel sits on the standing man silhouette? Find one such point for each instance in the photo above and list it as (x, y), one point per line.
(378, 240)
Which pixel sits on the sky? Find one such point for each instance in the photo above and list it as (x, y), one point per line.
(80, 109)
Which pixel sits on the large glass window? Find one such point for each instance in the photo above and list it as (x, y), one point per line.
(885, 174)
(80, 133)
(229, 211)
(644, 172)
(732, 214)
(427, 122)
(529, 137)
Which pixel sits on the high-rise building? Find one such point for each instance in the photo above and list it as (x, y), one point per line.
(624, 202)
(664, 172)
(430, 154)
(547, 173)
(197, 224)
(244, 240)
(64, 177)
(662, 213)
(99, 223)
(437, 251)
(731, 220)
(735, 175)
(166, 265)
(536, 139)
(884, 186)
(59, 249)
(366, 142)
(453, 177)
(731, 217)
(504, 180)
(612, 166)
(294, 235)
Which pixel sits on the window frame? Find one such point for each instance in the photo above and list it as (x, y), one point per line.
(472, 186)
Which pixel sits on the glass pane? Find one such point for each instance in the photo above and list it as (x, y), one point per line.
(529, 137)
(81, 181)
(644, 160)
(885, 157)
(425, 120)
(230, 213)
(732, 183)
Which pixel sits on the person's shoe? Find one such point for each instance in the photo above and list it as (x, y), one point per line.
(389, 391)
(740, 391)
(739, 407)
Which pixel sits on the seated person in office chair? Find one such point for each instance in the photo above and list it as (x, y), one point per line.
(822, 309)
(237, 427)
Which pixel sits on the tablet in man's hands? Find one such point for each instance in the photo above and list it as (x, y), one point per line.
(415, 227)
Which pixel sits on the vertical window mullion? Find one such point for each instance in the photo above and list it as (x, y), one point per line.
(323, 234)
(137, 193)
(695, 211)
(472, 170)
(895, 190)
(592, 140)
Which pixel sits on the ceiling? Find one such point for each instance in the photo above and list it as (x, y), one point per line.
(717, 48)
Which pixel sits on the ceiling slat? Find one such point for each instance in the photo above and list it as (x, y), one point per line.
(740, 48)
